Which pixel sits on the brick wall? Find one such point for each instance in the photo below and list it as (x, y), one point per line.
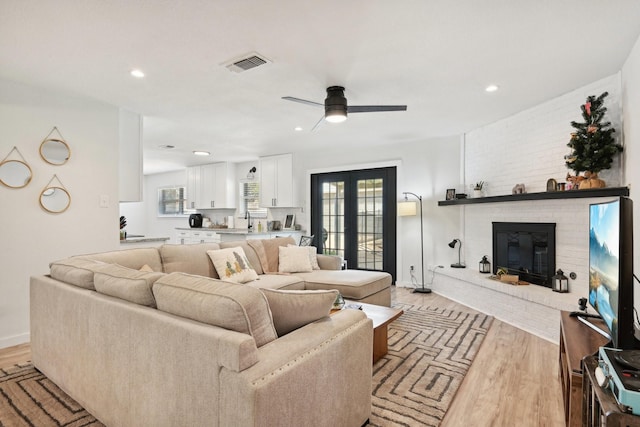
(529, 148)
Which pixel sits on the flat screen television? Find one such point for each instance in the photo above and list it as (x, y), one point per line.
(611, 268)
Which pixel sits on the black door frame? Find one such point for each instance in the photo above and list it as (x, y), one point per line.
(389, 212)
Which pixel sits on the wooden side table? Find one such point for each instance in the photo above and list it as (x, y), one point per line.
(599, 406)
(576, 341)
(381, 317)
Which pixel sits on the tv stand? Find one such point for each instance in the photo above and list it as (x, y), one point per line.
(576, 341)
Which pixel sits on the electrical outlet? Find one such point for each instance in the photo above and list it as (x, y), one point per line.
(411, 268)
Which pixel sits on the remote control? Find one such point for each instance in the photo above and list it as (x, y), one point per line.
(583, 314)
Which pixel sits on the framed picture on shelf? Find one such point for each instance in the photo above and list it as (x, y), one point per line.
(451, 193)
(289, 222)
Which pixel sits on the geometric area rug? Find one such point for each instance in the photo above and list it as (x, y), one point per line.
(430, 352)
(28, 398)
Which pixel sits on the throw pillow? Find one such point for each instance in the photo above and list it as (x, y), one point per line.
(232, 265)
(146, 269)
(313, 255)
(294, 309)
(294, 259)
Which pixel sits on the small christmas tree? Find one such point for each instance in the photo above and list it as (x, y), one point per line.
(592, 144)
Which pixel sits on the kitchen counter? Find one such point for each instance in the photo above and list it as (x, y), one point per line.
(148, 242)
(186, 235)
(238, 231)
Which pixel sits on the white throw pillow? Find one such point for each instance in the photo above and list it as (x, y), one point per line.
(232, 265)
(294, 259)
(313, 255)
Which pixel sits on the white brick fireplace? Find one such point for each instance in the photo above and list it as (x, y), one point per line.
(527, 148)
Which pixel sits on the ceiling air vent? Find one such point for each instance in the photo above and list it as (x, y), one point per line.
(250, 61)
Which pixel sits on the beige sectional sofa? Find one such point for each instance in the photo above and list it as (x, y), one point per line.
(151, 337)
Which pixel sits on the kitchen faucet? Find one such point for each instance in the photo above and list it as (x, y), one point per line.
(247, 216)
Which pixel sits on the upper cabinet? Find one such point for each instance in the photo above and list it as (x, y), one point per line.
(211, 186)
(130, 156)
(276, 181)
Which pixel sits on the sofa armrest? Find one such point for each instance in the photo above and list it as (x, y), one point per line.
(329, 262)
(316, 375)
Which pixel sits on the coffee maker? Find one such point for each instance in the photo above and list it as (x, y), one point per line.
(195, 220)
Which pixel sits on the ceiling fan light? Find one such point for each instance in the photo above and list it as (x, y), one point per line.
(335, 116)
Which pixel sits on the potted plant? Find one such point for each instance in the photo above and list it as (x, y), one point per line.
(123, 224)
(477, 189)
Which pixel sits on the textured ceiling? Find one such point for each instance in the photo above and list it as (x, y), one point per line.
(436, 56)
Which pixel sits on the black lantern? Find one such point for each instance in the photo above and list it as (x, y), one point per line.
(484, 266)
(560, 282)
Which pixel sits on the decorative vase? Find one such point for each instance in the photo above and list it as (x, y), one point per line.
(591, 181)
(477, 194)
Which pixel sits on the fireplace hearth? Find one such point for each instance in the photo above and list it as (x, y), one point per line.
(526, 249)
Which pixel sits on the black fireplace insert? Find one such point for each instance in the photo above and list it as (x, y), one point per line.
(527, 249)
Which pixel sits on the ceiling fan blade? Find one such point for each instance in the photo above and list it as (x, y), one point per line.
(318, 124)
(302, 101)
(374, 108)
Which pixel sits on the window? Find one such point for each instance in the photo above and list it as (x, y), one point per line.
(172, 201)
(250, 199)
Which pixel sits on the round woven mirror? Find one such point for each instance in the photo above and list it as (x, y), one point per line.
(55, 199)
(55, 151)
(15, 173)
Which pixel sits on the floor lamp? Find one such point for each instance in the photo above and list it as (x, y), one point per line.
(407, 208)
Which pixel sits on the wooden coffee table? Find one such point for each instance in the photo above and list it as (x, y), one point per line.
(381, 317)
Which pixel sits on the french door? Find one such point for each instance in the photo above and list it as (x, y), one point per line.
(353, 215)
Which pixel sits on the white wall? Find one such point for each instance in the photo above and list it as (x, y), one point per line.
(631, 124)
(426, 168)
(31, 237)
(529, 148)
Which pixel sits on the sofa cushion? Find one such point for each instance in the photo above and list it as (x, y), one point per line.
(313, 255)
(294, 309)
(131, 258)
(126, 283)
(75, 271)
(215, 302)
(277, 281)
(268, 251)
(294, 259)
(352, 284)
(191, 259)
(248, 251)
(232, 265)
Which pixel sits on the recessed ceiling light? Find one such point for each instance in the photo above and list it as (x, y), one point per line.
(137, 73)
(297, 128)
(202, 153)
(491, 88)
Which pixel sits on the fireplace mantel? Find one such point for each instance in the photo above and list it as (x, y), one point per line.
(571, 194)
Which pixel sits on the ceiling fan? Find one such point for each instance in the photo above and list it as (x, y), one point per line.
(336, 108)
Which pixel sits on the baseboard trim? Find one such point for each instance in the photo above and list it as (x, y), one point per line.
(14, 340)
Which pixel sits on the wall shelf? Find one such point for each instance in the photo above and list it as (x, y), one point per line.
(547, 195)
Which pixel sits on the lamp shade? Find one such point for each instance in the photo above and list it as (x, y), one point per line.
(407, 208)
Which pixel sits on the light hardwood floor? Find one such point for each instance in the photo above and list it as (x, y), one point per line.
(513, 380)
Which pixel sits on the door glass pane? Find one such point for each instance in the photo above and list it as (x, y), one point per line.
(333, 218)
(369, 238)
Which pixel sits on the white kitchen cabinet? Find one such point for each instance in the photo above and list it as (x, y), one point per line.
(211, 186)
(187, 237)
(276, 181)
